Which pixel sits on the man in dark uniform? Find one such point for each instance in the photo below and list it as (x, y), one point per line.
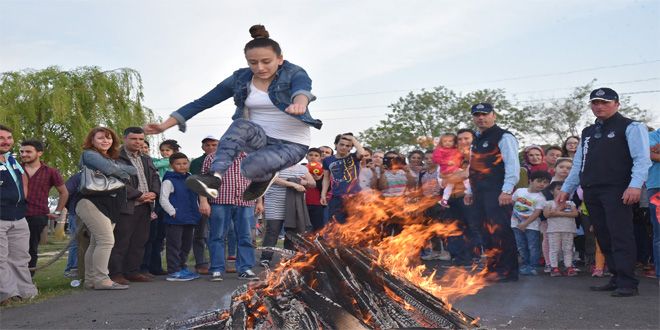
(494, 171)
(611, 164)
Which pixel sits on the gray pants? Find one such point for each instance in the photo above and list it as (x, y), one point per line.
(200, 238)
(15, 279)
(266, 155)
(101, 242)
(273, 230)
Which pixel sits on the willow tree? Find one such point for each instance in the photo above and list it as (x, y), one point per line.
(61, 107)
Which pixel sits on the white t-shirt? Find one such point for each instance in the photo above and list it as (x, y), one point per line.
(524, 204)
(561, 224)
(276, 123)
(275, 197)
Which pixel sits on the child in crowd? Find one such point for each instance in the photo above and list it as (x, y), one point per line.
(313, 194)
(561, 230)
(181, 208)
(562, 167)
(449, 160)
(528, 205)
(167, 148)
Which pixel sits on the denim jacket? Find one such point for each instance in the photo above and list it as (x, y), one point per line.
(96, 161)
(290, 81)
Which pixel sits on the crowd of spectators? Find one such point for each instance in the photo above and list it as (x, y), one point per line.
(585, 206)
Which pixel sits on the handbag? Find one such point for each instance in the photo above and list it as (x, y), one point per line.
(95, 183)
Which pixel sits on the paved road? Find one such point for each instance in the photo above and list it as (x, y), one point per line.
(534, 302)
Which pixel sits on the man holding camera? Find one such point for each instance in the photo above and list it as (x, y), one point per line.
(343, 170)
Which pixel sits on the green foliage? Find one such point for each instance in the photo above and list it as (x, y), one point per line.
(61, 107)
(554, 121)
(436, 111)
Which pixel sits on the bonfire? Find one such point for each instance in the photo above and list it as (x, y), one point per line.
(364, 274)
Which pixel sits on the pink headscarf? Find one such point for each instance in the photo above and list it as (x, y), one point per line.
(543, 166)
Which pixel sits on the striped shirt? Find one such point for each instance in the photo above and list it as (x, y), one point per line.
(233, 183)
(275, 197)
(396, 183)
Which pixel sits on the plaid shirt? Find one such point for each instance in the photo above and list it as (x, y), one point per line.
(135, 159)
(233, 183)
(39, 185)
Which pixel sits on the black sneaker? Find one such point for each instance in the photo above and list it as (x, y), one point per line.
(248, 275)
(216, 277)
(204, 184)
(264, 263)
(258, 189)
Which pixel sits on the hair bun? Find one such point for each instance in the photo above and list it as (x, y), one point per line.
(258, 31)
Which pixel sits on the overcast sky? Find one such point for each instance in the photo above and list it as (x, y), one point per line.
(361, 55)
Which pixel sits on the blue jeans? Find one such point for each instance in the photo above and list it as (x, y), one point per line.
(231, 240)
(266, 155)
(72, 260)
(656, 232)
(242, 219)
(336, 209)
(529, 247)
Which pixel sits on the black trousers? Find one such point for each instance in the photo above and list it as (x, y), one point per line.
(151, 261)
(131, 232)
(179, 243)
(613, 225)
(316, 216)
(36, 224)
(273, 230)
(496, 233)
(463, 248)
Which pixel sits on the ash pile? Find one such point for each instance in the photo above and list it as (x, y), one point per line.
(324, 286)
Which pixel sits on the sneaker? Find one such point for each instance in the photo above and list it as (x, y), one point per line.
(180, 276)
(248, 275)
(547, 269)
(72, 273)
(216, 277)
(264, 263)
(189, 273)
(443, 255)
(527, 271)
(650, 273)
(428, 256)
(204, 184)
(571, 271)
(444, 203)
(597, 273)
(257, 189)
(555, 272)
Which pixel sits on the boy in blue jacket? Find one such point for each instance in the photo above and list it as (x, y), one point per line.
(181, 215)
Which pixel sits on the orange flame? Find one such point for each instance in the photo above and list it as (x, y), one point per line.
(399, 254)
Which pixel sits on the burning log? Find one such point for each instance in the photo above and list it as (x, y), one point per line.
(352, 276)
(335, 288)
